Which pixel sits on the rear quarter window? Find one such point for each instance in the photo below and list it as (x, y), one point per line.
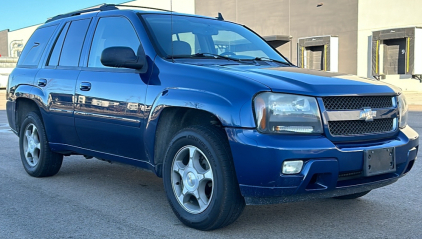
(35, 46)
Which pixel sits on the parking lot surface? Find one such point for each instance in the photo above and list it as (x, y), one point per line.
(95, 199)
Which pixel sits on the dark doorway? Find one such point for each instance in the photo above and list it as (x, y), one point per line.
(315, 57)
(395, 56)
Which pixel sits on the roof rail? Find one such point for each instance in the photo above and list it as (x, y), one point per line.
(104, 7)
(152, 8)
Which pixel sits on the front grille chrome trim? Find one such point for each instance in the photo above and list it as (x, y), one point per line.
(355, 114)
(354, 119)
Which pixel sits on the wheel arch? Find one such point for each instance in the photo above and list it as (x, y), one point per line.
(175, 109)
(27, 99)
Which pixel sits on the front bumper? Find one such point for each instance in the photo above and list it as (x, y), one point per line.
(327, 170)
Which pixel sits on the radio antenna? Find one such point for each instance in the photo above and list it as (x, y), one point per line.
(171, 33)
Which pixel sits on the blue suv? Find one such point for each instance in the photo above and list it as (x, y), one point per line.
(207, 105)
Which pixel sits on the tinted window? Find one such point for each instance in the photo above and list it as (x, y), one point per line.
(55, 54)
(34, 48)
(112, 31)
(72, 45)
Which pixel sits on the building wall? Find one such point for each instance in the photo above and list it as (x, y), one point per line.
(3, 43)
(184, 6)
(388, 14)
(297, 19)
(22, 34)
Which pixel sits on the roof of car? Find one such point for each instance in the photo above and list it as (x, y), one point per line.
(113, 7)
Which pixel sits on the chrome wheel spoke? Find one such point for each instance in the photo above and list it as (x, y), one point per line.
(185, 190)
(192, 151)
(192, 168)
(208, 175)
(203, 205)
(181, 198)
(35, 159)
(32, 145)
(179, 168)
(27, 153)
(28, 135)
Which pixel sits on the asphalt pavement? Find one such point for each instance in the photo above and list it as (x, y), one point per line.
(95, 199)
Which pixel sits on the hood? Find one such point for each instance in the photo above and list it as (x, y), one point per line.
(311, 82)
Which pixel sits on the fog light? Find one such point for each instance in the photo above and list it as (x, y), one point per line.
(292, 167)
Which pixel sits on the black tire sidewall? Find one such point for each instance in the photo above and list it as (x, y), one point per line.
(190, 137)
(34, 119)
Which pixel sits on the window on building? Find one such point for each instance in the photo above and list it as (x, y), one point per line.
(72, 46)
(32, 53)
(110, 32)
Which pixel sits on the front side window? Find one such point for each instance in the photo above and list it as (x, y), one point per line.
(111, 32)
(175, 36)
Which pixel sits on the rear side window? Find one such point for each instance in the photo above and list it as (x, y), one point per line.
(34, 48)
(55, 54)
(72, 46)
(112, 31)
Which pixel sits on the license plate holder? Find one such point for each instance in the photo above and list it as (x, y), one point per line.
(379, 161)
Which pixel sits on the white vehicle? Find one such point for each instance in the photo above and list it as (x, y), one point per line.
(3, 80)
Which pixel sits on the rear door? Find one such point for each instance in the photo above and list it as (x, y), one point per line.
(58, 79)
(109, 101)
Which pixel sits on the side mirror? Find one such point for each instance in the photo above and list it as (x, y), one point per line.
(120, 56)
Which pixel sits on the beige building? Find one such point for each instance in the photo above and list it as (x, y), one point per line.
(337, 35)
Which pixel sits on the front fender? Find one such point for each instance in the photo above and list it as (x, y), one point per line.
(228, 112)
(221, 107)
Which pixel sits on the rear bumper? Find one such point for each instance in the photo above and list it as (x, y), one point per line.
(258, 159)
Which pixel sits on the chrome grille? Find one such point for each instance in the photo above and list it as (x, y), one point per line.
(356, 102)
(359, 127)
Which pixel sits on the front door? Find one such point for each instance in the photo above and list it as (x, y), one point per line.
(109, 101)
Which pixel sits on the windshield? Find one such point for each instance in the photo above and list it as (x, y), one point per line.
(193, 36)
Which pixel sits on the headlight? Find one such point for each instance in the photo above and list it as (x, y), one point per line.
(286, 113)
(403, 111)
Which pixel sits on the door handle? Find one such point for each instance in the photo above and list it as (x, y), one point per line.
(42, 82)
(85, 86)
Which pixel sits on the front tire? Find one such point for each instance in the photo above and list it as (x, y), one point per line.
(199, 178)
(37, 158)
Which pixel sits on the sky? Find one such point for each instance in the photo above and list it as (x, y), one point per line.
(16, 14)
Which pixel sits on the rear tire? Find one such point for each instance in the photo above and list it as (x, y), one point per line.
(353, 196)
(200, 180)
(37, 158)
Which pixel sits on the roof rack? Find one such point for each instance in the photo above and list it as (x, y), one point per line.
(104, 7)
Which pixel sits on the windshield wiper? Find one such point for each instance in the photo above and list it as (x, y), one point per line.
(202, 55)
(269, 59)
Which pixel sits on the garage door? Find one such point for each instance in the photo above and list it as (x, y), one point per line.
(315, 55)
(395, 56)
